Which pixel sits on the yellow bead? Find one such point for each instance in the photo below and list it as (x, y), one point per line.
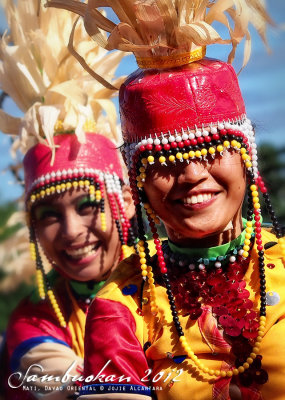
(171, 158)
(242, 150)
(144, 161)
(248, 164)
(211, 372)
(256, 206)
(245, 157)
(240, 369)
(248, 230)
(255, 193)
(185, 156)
(198, 154)
(150, 159)
(179, 156)
(246, 248)
(249, 223)
(191, 154)
(144, 273)
(223, 374)
(204, 152)
(33, 197)
(255, 200)
(142, 254)
(238, 145)
(233, 143)
(253, 187)
(48, 191)
(247, 241)
(182, 339)
(162, 159)
(245, 254)
(142, 260)
(245, 365)
(247, 236)
(142, 175)
(68, 185)
(142, 169)
(249, 360)
(205, 369)
(252, 355)
(141, 243)
(63, 186)
(139, 184)
(258, 339)
(220, 148)
(75, 184)
(262, 318)
(235, 371)
(42, 193)
(226, 143)
(38, 196)
(229, 373)
(151, 280)
(144, 266)
(255, 349)
(212, 150)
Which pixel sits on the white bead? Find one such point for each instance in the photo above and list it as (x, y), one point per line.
(149, 141)
(53, 174)
(192, 267)
(201, 266)
(81, 171)
(205, 133)
(191, 135)
(58, 174)
(218, 264)
(75, 171)
(64, 172)
(144, 142)
(164, 141)
(213, 130)
(171, 139)
(240, 252)
(42, 179)
(185, 136)
(156, 141)
(198, 133)
(178, 139)
(232, 259)
(227, 125)
(221, 126)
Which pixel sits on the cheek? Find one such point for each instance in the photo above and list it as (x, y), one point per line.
(47, 237)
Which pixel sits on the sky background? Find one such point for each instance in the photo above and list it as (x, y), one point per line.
(262, 83)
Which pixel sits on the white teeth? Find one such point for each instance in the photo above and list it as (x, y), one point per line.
(82, 252)
(197, 199)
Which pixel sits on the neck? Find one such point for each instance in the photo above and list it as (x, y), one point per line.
(229, 233)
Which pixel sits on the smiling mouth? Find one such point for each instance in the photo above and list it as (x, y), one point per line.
(82, 252)
(198, 199)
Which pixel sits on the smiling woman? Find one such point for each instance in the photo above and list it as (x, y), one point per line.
(200, 319)
(77, 205)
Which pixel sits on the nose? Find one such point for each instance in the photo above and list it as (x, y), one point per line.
(72, 226)
(193, 173)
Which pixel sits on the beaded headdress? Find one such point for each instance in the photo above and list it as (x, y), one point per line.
(179, 106)
(63, 108)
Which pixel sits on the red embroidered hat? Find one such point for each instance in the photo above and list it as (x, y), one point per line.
(73, 160)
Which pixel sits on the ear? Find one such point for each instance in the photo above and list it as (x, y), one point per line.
(128, 200)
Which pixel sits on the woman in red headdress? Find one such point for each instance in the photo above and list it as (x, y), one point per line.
(78, 207)
(201, 319)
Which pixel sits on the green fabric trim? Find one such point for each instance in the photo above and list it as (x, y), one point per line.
(82, 289)
(211, 252)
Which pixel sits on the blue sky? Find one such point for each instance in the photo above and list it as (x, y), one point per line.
(262, 83)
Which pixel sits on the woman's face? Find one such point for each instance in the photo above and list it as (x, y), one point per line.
(68, 228)
(198, 201)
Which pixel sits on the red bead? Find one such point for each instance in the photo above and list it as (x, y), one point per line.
(223, 131)
(142, 148)
(160, 258)
(259, 241)
(174, 145)
(260, 247)
(181, 144)
(156, 241)
(258, 235)
(230, 131)
(162, 264)
(208, 139)
(155, 236)
(166, 146)
(193, 142)
(159, 252)
(163, 270)
(187, 142)
(158, 147)
(245, 139)
(200, 140)
(216, 136)
(149, 146)
(270, 266)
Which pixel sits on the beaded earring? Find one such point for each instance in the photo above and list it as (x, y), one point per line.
(43, 283)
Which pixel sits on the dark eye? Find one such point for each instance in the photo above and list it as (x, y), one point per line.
(46, 214)
(86, 205)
